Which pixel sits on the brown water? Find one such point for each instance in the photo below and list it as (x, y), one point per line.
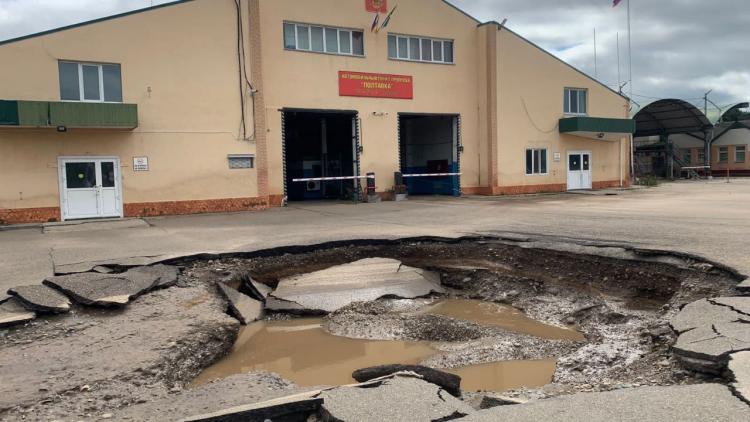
(301, 351)
(503, 316)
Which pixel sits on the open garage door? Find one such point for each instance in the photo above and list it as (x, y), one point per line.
(429, 148)
(320, 144)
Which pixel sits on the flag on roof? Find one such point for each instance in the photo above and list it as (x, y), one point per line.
(387, 19)
(616, 3)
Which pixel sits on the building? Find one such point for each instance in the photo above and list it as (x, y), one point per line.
(675, 139)
(218, 105)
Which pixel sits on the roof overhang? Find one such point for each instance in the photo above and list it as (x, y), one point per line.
(598, 128)
(56, 114)
(670, 117)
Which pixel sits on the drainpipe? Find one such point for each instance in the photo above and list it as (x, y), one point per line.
(619, 146)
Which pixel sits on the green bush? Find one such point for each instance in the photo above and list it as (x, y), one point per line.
(648, 180)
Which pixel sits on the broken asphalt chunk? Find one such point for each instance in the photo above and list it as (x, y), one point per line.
(393, 399)
(705, 312)
(707, 348)
(41, 298)
(359, 281)
(13, 312)
(99, 289)
(291, 408)
(450, 382)
(254, 289)
(244, 308)
(113, 289)
(739, 370)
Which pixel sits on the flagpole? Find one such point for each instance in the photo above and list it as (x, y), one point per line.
(630, 56)
(596, 69)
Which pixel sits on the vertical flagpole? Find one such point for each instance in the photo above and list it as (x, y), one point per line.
(630, 56)
(596, 69)
(619, 78)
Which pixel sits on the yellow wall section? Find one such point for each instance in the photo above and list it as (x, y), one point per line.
(530, 84)
(188, 123)
(310, 80)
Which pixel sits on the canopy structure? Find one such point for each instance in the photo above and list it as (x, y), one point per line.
(669, 117)
(736, 113)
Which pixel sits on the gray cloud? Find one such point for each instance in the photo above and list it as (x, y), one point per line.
(681, 48)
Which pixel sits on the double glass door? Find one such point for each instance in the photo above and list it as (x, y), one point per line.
(90, 188)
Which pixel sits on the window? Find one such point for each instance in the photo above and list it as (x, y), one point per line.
(536, 161)
(701, 156)
(723, 154)
(91, 82)
(241, 161)
(739, 153)
(323, 39)
(402, 47)
(575, 101)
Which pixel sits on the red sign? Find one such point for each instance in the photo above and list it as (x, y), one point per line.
(376, 6)
(357, 84)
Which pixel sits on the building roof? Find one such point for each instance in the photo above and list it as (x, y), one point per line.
(668, 117)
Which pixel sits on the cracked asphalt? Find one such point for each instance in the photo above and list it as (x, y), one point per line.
(707, 218)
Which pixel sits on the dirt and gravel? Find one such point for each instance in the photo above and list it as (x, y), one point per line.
(96, 363)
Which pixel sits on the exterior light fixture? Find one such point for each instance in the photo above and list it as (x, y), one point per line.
(62, 129)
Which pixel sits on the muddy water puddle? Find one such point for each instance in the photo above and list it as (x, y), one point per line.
(503, 316)
(302, 351)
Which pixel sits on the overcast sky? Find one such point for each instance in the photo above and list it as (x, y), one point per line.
(681, 48)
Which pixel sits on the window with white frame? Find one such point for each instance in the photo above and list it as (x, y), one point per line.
(536, 161)
(723, 154)
(324, 39)
(576, 101)
(739, 153)
(421, 49)
(91, 82)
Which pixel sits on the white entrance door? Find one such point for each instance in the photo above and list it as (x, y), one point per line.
(579, 170)
(90, 187)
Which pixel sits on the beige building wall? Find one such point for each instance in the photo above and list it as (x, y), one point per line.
(295, 79)
(179, 65)
(530, 84)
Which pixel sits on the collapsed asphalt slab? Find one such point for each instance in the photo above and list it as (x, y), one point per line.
(13, 312)
(392, 399)
(710, 330)
(739, 372)
(97, 289)
(360, 281)
(244, 308)
(41, 298)
(704, 402)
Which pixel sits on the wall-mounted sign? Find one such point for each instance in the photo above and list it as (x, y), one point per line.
(358, 84)
(376, 6)
(140, 163)
(556, 156)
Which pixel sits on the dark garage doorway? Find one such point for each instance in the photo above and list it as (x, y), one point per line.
(429, 144)
(319, 143)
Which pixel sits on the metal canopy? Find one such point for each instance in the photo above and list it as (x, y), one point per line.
(668, 117)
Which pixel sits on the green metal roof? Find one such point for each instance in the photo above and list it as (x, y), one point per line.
(596, 124)
(600, 128)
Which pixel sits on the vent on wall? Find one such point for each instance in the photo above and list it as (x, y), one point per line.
(241, 161)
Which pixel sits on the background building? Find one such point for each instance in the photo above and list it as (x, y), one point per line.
(207, 106)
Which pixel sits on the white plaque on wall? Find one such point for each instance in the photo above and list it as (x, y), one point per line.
(140, 163)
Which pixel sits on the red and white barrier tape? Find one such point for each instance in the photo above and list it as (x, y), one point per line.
(320, 179)
(430, 174)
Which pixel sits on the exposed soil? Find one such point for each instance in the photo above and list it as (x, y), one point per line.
(90, 363)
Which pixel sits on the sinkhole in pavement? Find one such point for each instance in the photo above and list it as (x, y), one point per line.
(302, 351)
(506, 315)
